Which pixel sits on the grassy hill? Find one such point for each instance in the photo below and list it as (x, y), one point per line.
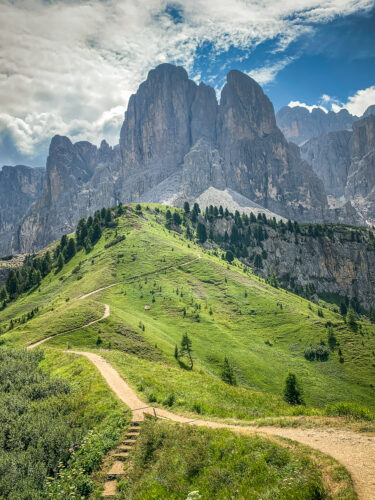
(224, 308)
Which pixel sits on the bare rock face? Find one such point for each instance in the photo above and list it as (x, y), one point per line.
(345, 161)
(156, 129)
(259, 162)
(329, 156)
(176, 142)
(361, 176)
(299, 125)
(80, 178)
(20, 186)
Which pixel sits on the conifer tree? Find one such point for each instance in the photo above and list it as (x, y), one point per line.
(186, 349)
(293, 391)
(70, 249)
(186, 207)
(227, 373)
(351, 319)
(60, 262)
(12, 284)
(201, 232)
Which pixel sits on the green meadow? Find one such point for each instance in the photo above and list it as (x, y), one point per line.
(225, 309)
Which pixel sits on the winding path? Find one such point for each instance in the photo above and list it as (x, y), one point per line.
(355, 451)
(105, 315)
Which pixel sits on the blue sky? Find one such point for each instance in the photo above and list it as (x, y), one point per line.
(69, 67)
(335, 59)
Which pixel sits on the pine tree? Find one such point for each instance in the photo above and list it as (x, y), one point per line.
(185, 349)
(186, 207)
(227, 373)
(46, 264)
(229, 256)
(343, 309)
(3, 294)
(292, 390)
(351, 319)
(332, 341)
(201, 232)
(70, 249)
(12, 284)
(272, 278)
(63, 241)
(176, 218)
(196, 208)
(96, 234)
(60, 262)
(258, 261)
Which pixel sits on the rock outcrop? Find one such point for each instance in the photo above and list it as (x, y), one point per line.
(20, 186)
(80, 178)
(175, 143)
(338, 263)
(360, 186)
(345, 161)
(299, 125)
(329, 156)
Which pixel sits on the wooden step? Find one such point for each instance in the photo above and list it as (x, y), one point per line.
(121, 455)
(110, 489)
(116, 470)
(125, 447)
(134, 429)
(130, 442)
(135, 423)
(132, 435)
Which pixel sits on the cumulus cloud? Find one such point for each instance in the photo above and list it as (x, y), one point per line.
(355, 104)
(294, 104)
(69, 67)
(359, 102)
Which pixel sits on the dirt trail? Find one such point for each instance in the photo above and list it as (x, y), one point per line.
(105, 315)
(355, 451)
(132, 278)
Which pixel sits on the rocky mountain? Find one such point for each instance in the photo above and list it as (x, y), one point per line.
(299, 125)
(79, 179)
(176, 142)
(330, 158)
(20, 186)
(345, 161)
(331, 261)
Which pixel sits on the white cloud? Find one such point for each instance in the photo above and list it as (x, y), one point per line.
(294, 104)
(356, 104)
(267, 74)
(359, 102)
(69, 67)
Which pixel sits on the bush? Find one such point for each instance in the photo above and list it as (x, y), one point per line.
(349, 410)
(114, 241)
(318, 352)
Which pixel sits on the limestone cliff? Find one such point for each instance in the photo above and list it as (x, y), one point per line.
(298, 124)
(80, 178)
(20, 186)
(175, 143)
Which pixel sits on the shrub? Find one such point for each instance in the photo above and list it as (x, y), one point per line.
(318, 352)
(349, 410)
